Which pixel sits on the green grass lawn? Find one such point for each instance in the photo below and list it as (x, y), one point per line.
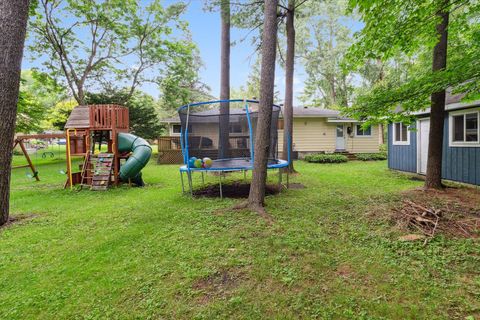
(153, 253)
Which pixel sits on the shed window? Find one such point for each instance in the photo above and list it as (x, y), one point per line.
(360, 132)
(464, 129)
(401, 135)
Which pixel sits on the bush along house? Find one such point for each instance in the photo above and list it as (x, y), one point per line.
(408, 145)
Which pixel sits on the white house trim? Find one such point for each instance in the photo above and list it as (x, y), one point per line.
(468, 144)
(394, 136)
(361, 136)
(419, 147)
(172, 133)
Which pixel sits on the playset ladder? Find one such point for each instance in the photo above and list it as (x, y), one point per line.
(102, 173)
(86, 167)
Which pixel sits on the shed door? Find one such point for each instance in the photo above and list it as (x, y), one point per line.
(423, 145)
(340, 141)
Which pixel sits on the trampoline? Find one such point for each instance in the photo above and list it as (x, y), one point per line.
(224, 131)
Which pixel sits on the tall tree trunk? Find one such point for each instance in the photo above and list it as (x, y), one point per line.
(437, 113)
(381, 126)
(267, 83)
(224, 124)
(334, 90)
(13, 27)
(289, 73)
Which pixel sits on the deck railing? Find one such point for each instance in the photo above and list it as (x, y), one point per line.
(170, 151)
(108, 116)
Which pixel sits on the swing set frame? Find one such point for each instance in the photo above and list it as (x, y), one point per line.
(19, 140)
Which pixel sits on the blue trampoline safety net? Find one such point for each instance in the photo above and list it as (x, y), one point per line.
(224, 131)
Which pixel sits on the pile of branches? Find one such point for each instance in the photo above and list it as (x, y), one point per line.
(429, 221)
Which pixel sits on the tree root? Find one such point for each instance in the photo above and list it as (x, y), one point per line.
(260, 210)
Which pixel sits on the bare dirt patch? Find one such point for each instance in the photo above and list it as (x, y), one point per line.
(453, 212)
(17, 220)
(344, 271)
(218, 285)
(235, 190)
(296, 186)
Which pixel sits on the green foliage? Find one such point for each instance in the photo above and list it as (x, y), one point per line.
(251, 90)
(371, 156)
(181, 84)
(383, 148)
(323, 40)
(30, 113)
(108, 45)
(144, 120)
(405, 31)
(326, 158)
(59, 114)
(38, 94)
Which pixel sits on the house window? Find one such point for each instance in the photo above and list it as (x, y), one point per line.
(361, 132)
(177, 129)
(401, 135)
(464, 128)
(235, 128)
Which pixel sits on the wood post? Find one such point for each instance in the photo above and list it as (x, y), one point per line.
(30, 164)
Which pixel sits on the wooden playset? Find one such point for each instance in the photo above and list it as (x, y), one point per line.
(99, 134)
(87, 127)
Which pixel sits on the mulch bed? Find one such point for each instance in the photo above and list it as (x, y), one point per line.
(235, 190)
(453, 212)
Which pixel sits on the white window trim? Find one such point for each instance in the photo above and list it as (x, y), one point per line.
(173, 134)
(362, 136)
(471, 144)
(394, 136)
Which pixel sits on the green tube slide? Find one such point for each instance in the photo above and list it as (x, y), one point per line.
(141, 152)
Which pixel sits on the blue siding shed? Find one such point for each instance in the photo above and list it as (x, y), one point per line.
(458, 163)
(402, 157)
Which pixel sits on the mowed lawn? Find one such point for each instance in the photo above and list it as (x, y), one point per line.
(151, 253)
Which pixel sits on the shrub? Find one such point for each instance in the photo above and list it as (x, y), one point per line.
(383, 148)
(372, 156)
(326, 158)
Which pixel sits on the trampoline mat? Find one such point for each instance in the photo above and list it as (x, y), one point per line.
(238, 164)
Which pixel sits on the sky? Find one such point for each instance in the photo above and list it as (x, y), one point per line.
(205, 29)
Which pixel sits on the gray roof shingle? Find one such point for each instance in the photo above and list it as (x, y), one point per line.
(298, 112)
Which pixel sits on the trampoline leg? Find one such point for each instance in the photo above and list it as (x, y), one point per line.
(190, 184)
(181, 179)
(245, 175)
(221, 191)
(288, 179)
(203, 179)
(280, 179)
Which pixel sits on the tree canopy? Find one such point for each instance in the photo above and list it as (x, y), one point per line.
(38, 94)
(398, 28)
(105, 44)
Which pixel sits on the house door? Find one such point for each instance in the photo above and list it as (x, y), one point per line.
(340, 141)
(423, 133)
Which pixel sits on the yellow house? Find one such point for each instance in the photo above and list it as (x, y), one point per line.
(315, 130)
(323, 130)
